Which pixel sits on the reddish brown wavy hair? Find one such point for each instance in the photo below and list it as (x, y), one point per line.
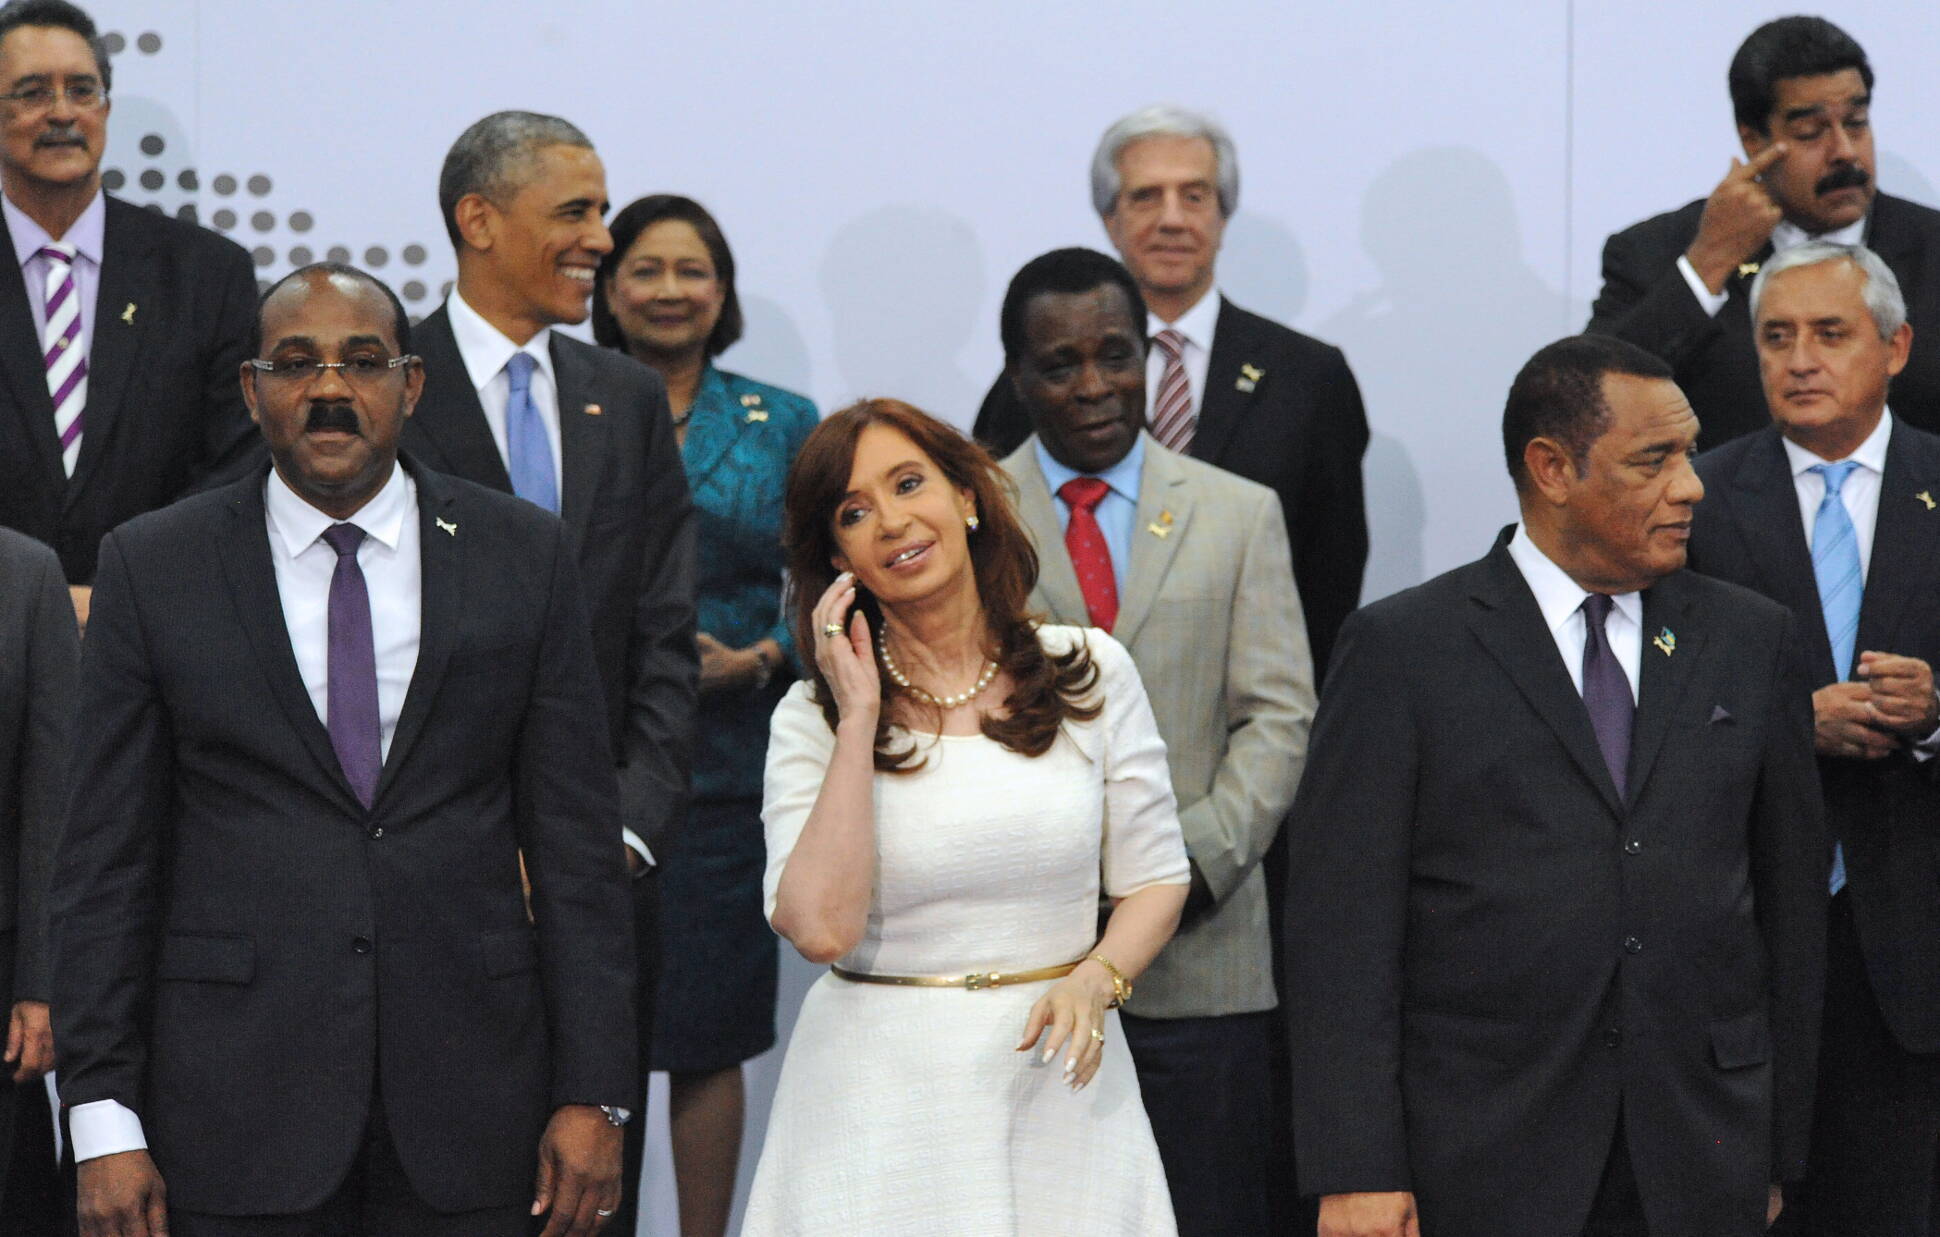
(1047, 688)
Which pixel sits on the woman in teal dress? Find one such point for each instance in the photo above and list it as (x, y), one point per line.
(666, 296)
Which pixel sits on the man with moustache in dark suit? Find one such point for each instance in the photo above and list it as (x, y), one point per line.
(1555, 923)
(333, 712)
(1676, 285)
(1831, 510)
(582, 431)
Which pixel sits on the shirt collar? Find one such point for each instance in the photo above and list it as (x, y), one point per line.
(1122, 477)
(485, 349)
(1870, 454)
(1788, 234)
(299, 525)
(1558, 596)
(1196, 324)
(86, 234)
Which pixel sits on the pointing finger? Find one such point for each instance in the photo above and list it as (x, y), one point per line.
(1765, 158)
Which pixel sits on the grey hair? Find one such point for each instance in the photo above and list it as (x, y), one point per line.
(1882, 291)
(489, 158)
(1163, 120)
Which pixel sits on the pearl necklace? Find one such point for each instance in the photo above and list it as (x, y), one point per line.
(901, 680)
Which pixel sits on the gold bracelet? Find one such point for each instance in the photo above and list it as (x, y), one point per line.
(1120, 986)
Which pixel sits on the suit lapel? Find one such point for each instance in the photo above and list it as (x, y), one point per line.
(442, 601)
(1764, 504)
(129, 267)
(1906, 537)
(1057, 579)
(1164, 510)
(1735, 316)
(20, 358)
(1224, 404)
(582, 441)
(1665, 673)
(1510, 626)
(246, 565)
(449, 418)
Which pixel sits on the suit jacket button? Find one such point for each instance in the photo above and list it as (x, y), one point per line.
(360, 944)
(1633, 847)
(1613, 1038)
(376, 831)
(1631, 945)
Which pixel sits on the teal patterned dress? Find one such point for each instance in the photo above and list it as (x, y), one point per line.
(716, 1006)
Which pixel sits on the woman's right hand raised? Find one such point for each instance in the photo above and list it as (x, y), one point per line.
(847, 660)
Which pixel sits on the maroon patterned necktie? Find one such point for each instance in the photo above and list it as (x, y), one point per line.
(1173, 419)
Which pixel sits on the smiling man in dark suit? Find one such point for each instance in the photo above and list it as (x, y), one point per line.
(1676, 285)
(120, 329)
(1831, 510)
(512, 404)
(331, 710)
(1556, 916)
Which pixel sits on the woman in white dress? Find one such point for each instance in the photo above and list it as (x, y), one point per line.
(944, 802)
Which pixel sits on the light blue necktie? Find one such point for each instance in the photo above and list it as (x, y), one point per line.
(528, 451)
(1835, 565)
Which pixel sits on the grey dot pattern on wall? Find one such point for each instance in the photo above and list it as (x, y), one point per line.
(414, 255)
(223, 219)
(300, 255)
(149, 42)
(300, 221)
(262, 286)
(189, 180)
(187, 212)
(114, 42)
(112, 179)
(225, 184)
(444, 289)
(338, 253)
(263, 254)
(152, 207)
(152, 179)
(376, 256)
(259, 184)
(414, 290)
(152, 144)
(262, 221)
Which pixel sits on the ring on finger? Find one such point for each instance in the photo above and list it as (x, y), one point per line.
(832, 630)
(1097, 1035)
(603, 1214)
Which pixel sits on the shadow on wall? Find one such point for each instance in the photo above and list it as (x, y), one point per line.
(1263, 268)
(1435, 346)
(905, 287)
(772, 349)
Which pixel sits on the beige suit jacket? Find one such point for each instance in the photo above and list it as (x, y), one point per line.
(1213, 622)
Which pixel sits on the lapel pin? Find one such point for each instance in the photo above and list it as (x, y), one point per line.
(1158, 530)
(1747, 269)
(1165, 517)
(1249, 378)
(451, 530)
(751, 400)
(757, 414)
(593, 410)
(1665, 641)
(128, 314)
(1926, 496)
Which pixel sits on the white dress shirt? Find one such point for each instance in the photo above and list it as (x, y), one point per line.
(1859, 493)
(304, 564)
(86, 235)
(1561, 601)
(485, 350)
(1787, 235)
(1196, 324)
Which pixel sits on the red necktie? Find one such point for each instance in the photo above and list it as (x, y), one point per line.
(1089, 553)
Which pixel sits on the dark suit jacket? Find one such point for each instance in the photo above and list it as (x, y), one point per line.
(1490, 951)
(243, 950)
(630, 525)
(1885, 812)
(1301, 432)
(165, 413)
(39, 647)
(1646, 301)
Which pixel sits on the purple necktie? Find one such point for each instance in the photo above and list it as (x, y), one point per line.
(1606, 692)
(353, 721)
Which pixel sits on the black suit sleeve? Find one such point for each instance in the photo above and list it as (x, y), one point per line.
(567, 804)
(663, 662)
(1330, 522)
(107, 881)
(1646, 301)
(1788, 870)
(231, 445)
(1002, 423)
(52, 650)
(1346, 919)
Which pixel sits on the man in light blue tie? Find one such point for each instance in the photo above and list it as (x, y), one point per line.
(1835, 511)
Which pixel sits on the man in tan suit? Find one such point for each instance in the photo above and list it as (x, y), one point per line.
(1188, 567)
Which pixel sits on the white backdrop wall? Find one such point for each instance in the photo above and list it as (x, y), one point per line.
(1427, 185)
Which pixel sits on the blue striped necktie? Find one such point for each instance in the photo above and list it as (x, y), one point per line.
(528, 451)
(1835, 565)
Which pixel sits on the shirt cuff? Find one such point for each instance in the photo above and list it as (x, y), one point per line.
(104, 1127)
(636, 845)
(1929, 747)
(1710, 302)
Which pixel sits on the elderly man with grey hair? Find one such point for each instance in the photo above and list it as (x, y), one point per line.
(1834, 510)
(586, 433)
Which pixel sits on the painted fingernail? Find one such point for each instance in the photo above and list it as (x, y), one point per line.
(1049, 1053)
(1070, 1066)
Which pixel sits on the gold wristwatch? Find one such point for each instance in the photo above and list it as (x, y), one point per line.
(1120, 986)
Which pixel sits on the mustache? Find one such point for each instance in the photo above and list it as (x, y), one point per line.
(62, 136)
(1845, 176)
(332, 417)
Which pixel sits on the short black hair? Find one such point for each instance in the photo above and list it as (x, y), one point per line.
(401, 321)
(1068, 271)
(63, 16)
(1559, 395)
(1788, 47)
(626, 228)
(489, 158)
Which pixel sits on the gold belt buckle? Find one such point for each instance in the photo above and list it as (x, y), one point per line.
(979, 979)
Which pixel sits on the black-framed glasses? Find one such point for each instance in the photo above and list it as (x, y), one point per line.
(301, 371)
(86, 96)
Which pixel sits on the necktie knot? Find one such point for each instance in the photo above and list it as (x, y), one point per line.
(1171, 343)
(1835, 474)
(1596, 609)
(519, 371)
(344, 538)
(1084, 492)
(58, 253)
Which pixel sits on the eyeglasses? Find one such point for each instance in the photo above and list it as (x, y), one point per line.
(84, 96)
(361, 371)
